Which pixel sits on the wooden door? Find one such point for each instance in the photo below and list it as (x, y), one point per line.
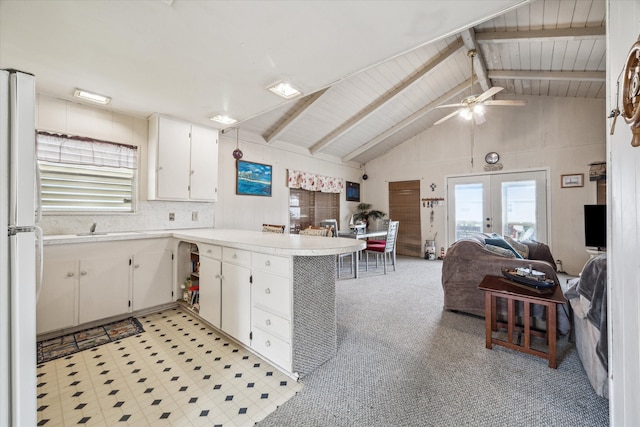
(404, 206)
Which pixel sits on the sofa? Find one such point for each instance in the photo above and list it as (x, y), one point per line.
(587, 297)
(469, 259)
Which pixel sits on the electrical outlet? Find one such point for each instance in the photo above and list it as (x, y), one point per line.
(172, 216)
(194, 216)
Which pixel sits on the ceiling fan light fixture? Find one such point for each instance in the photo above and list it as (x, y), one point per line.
(478, 109)
(478, 117)
(466, 113)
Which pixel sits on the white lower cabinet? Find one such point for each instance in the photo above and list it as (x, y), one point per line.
(271, 308)
(86, 282)
(152, 279)
(236, 294)
(57, 306)
(210, 283)
(104, 287)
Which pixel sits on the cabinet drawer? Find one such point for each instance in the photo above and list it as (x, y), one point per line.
(272, 263)
(236, 256)
(272, 292)
(272, 348)
(210, 251)
(275, 325)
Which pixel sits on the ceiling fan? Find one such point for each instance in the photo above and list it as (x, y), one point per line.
(472, 107)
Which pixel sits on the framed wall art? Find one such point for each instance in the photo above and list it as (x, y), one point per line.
(253, 179)
(353, 192)
(573, 180)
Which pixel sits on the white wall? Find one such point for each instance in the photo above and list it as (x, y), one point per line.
(250, 212)
(72, 118)
(623, 24)
(561, 134)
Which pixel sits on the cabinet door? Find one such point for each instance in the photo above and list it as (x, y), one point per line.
(104, 287)
(236, 302)
(152, 278)
(210, 290)
(173, 159)
(56, 308)
(204, 163)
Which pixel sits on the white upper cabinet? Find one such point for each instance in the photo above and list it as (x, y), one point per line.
(183, 160)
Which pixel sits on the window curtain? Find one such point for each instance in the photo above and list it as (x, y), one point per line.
(57, 148)
(314, 182)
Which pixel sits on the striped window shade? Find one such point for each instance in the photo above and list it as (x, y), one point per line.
(84, 175)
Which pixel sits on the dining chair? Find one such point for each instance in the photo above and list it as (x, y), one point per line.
(271, 228)
(386, 249)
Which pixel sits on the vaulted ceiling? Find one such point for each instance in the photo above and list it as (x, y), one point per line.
(371, 73)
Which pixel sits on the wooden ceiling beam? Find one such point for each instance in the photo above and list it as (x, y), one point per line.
(386, 98)
(469, 40)
(587, 33)
(581, 76)
(300, 111)
(455, 92)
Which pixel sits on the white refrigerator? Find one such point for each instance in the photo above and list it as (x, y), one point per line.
(18, 252)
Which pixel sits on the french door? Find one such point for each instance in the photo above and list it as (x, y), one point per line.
(513, 204)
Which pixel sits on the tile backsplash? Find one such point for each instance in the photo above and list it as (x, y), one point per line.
(150, 215)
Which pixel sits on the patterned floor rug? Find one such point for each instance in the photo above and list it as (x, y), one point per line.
(88, 338)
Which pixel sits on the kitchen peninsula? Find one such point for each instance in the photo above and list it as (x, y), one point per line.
(274, 293)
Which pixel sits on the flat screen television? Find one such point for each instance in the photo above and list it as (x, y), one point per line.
(595, 226)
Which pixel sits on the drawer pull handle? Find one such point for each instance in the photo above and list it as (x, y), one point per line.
(234, 256)
(136, 266)
(209, 251)
(268, 322)
(83, 273)
(267, 291)
(267, 343)
(267, 263)
(70, 274)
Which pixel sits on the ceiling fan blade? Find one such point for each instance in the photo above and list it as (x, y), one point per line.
(452, 105)
(488, 94)
(447, 117)
(510, 102)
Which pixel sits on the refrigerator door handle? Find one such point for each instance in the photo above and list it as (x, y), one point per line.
(38, 192)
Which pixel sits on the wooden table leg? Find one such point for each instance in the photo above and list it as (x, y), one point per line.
(551, 329)
(489, 301)
(527, 324)
(511, 320)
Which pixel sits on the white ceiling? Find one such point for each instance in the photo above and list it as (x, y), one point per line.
(370, 71)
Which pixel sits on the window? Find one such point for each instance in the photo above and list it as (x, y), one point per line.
(85, 175)
(308, 208)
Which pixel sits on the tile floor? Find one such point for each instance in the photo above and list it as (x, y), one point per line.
(179, 372)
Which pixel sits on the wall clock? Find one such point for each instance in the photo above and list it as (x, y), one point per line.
(631, 92)
(492, 158)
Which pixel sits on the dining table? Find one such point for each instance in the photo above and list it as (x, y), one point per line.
(360, 236)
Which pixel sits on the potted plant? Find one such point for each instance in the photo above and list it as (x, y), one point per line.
(364, 213)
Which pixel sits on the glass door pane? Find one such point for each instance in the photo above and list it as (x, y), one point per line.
(468, 207)
(512, 204)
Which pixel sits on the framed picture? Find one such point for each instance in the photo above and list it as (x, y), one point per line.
(253, 179)
(353, 192)
(573, 180)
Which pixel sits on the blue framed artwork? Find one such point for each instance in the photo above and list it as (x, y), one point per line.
(353, 192)
(253, 179)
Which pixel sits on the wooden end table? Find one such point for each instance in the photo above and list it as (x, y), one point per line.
(500, 287)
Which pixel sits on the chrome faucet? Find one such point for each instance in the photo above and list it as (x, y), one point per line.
(92, 229)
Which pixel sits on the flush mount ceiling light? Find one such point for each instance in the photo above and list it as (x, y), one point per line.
(90, 96)
(284, 90)
(224, 119)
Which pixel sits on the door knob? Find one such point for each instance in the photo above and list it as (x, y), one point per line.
(70, 274)
(83, 273)
(136, 266)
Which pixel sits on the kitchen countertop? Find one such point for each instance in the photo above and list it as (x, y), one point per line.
(258, 241)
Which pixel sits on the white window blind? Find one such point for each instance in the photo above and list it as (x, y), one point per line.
(84, 175)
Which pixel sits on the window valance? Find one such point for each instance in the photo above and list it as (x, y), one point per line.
(314, 182)
(58, 148)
